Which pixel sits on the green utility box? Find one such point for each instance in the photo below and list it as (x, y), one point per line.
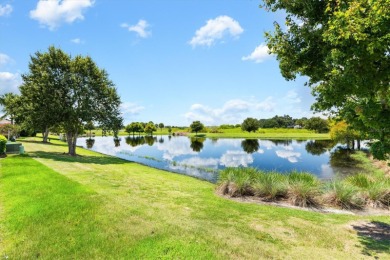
(13, 147)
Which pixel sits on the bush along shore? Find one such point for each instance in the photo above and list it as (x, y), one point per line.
(356, 192)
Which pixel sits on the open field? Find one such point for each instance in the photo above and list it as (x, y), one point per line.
(92, 206)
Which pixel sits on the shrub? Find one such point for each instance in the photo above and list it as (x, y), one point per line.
(3, 142)
(303, 189)
(343, 194)
(270, 185)
(236, 181)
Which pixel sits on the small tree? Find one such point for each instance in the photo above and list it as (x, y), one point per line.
(10, 103)
(132, 128)
(250, 125)
(169, 130)
(161, 126)
(150, 128)
(341, 132)
(196, 126)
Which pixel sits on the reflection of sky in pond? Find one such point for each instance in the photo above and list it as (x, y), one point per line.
(176, 155)
(236, 158)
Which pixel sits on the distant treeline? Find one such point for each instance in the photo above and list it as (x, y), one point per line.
(315, 123)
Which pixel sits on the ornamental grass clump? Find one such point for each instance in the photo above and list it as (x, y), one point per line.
(270, 186)
(236, 181)
(344, 195)
(303, 189)
(375, 190)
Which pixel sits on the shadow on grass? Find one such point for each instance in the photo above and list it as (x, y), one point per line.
(40, 142)
(374, 236)
(63, 157)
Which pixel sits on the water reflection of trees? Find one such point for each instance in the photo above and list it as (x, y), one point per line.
(282, 142)
(250, 145)
(197, 143)
(90, 142)
(134, 141)
(161, 140)
(150, 140)
(214, 140)
(318, 147)
(117, 141)
(343, 162)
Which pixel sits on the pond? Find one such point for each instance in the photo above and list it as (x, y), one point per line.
(203, 157)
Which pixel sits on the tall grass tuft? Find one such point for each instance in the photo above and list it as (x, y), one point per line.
(270, 185)
(344, 195)
(303, 189)
(360, 180)
(236, 181)
(376, 190)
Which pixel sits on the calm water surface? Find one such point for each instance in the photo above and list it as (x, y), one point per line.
(202, 158)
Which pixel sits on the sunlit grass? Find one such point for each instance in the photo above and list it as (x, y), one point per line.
(92, 206)
(264, 133)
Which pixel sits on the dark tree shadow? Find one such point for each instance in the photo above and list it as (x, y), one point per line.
(40, 142)
(374, 236)
(63, 157)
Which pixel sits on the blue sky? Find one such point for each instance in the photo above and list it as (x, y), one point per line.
(171, 61)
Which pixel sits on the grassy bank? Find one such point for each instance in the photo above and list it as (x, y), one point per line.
(93, 206)
(266, 133)
(359, 191)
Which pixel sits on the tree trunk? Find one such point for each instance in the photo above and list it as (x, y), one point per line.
(45, 135)
(353, 144)
(358, 144)
(71, 139)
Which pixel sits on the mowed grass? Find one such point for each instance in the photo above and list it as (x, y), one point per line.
(270, 133)
(98, 207)
(264, 133)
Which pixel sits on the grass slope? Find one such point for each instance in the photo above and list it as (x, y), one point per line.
(93, 206)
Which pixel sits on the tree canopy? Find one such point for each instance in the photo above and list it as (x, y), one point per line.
(66, 91)
(250, 125)
(10, 103)
(343, 47)
(196, 127)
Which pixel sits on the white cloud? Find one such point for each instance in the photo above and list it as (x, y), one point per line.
(292, 97)
(259, 54)
(130, 109)
(216, 29)
(291, 156)
(4, 59)
(176, 147)
(77, 41)
(52, 13)
(5, 10)
(9, 82)
(232, 112)
(139, 28)
(201, 162)
(236, 158)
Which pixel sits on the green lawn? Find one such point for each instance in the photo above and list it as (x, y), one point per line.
(266, 133)
(97, 207)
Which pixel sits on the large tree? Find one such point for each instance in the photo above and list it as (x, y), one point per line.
(66, 91)
(343, 47)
